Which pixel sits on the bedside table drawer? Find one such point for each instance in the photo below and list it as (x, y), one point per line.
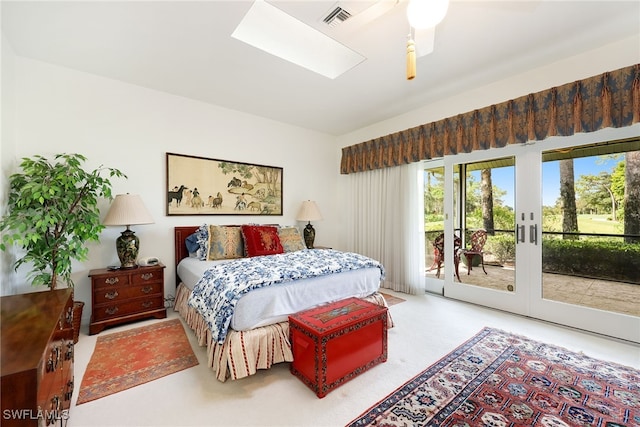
(110, 281)
(122, 293)
(103, 312)
(148, 276)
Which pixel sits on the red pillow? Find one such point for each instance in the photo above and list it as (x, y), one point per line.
(261, 240)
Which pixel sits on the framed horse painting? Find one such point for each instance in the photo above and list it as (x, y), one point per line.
(202, 186)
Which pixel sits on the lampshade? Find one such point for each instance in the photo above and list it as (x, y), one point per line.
(426, 14)
(127, 209)
(309, 212)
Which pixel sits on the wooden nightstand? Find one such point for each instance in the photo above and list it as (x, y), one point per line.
(119, 296)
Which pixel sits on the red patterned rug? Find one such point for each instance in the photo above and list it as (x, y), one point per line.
(126, 359)
(499, 379)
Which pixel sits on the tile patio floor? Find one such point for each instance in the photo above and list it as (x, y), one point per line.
(595, 293)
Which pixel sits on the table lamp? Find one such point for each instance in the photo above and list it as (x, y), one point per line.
(127, 209)
(309, 212)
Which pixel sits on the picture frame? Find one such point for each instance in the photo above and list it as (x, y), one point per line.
(203, 186)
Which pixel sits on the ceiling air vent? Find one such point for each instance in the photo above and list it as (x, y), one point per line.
(336, 16)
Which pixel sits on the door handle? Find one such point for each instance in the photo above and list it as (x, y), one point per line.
(520, 231)
(533, 234)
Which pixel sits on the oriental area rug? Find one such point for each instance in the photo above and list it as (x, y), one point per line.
(499, 379)
(126, 359)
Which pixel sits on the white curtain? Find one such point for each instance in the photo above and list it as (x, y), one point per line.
(386, 222)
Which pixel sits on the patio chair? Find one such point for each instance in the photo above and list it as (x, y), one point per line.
(438, 252)
(478, 239)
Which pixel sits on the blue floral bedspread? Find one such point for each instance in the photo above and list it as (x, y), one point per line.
(217, 292)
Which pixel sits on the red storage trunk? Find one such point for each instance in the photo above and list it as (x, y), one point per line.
(335, 342)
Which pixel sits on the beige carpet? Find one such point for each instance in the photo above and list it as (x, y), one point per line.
(427, 328)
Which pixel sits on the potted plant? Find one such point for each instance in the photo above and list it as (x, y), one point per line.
(53, 213)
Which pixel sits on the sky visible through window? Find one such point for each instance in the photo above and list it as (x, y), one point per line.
(503, 178)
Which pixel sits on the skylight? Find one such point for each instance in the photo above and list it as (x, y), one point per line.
(273, 31)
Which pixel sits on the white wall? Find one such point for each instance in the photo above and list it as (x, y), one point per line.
(131, 128)
(608, 58)
(7, 150)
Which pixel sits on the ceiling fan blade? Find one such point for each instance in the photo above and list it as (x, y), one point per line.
(425, 40)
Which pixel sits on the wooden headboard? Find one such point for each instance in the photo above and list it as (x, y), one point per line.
(180, 235)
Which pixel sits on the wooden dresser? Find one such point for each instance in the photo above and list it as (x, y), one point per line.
(37, 358)
(120, 296)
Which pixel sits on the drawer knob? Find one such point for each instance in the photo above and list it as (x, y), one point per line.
(69, 317)
(147, 304)
(147, 289)
(111, 310)
(55, 408)
(146, 276)
(68, 355)
(111, 280)
(69, 392)
(54, 359)
(111, 295)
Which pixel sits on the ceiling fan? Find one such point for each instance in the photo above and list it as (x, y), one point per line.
(422, 15)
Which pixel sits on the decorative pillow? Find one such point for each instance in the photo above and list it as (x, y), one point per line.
(291, 239)
(202, 237)
(261, 240)
(192, 243)
(225, 242)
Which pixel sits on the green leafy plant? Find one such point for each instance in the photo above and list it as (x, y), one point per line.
(503, 247)
(52, 214)
(608, 259)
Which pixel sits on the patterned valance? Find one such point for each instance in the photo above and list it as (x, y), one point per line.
(611, 99)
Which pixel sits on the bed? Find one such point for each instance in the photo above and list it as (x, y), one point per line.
(258, 333)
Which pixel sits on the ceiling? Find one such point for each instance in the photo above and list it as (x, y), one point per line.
(185, 48)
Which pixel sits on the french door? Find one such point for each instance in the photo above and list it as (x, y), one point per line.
(524, 220)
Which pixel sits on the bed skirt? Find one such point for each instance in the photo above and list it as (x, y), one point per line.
(244, 352)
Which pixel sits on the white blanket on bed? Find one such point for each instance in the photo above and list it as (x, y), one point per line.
(218, 291)
(274, 304)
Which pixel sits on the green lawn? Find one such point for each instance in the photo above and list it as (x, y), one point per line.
(586, 224)
(598, 224)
